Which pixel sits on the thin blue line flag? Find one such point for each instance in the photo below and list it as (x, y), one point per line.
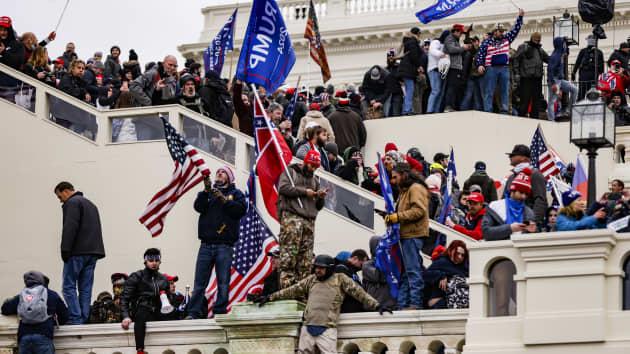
(442, 9)
(388, 256)
(214, 55)
(267, 55)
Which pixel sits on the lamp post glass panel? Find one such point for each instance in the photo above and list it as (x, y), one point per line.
(592, 128)
(567, 26)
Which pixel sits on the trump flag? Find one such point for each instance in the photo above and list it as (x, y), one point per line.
(442, 9)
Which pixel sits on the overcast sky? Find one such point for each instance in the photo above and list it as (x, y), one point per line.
(152, 27)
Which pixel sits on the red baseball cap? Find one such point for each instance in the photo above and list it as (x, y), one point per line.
(458, 27)
(314, 106)
(476, 197)
(313, 158)
(5, 21)
(173, 278)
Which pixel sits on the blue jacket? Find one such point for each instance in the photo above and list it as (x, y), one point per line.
(555, 68)
(218, 221)
(567, 223)
(56, 309)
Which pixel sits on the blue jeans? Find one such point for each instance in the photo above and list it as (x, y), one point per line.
(435, 98)
(219, 258)
(78, 272)
(472, 95)
(36, 344)
(496, 75)
(412, 283)
(567, 88)
(410, 86)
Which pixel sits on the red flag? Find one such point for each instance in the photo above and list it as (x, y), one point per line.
(273, 155)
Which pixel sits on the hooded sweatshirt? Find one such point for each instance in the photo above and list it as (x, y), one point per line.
(321, 120)
(555, 69)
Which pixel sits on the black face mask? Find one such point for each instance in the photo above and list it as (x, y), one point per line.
(306, 172)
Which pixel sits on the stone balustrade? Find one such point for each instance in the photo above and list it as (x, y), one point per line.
(274, 328)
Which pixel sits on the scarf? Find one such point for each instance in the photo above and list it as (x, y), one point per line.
(514, 211)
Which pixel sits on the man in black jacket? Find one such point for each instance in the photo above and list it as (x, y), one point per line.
(393, 105)
(11, 51)
(81, 246)
(144, 297)
(37, 338)
(375, 87)
(528, 66)
(408, 69)
(221, 208)
(216, 99)
(585, 65)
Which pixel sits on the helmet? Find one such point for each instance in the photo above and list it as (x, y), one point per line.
(324, 260)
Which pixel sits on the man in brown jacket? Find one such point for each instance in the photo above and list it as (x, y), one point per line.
(298, 206)
(412, 214)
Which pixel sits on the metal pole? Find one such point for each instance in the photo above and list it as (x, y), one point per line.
(61, 16)
(308, 71)
(592, 155)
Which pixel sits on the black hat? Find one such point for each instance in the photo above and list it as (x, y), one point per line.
(415, 30)
(324, 260)
(480, 166)
(520, 150)
(133, 55)
(624, 45)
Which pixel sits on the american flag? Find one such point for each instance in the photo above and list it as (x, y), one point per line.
(543, 158)
(316, 47)
(190, 169)
(251, 265)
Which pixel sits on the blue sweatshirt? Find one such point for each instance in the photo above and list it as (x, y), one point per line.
(567, 223)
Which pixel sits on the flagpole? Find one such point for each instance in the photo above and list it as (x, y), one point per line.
(61, 16)
(308, 71)
(274, 138)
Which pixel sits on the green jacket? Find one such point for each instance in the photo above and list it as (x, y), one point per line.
(325, 298)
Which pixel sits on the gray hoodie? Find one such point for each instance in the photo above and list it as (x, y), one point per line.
(455, 50)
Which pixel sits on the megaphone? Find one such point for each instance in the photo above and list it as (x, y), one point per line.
(166, 305)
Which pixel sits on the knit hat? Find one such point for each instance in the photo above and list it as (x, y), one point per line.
(375, 74)
(5, 21)
(476, 197)
(437, 252)
(522, 182)
(228, 171)
(343, 256)
(344, 101)
(434, 182)
(33, 278)
(458, 27)
(395, 155)
(390, 146)
(332, 148)
(415, 30)
(313, 158)
(569, 197)
(98, 54)
(480, 166)
(119, 278)
(114, 47)
(173, 278)
(133, 55)
(314, 106)
(414, 164)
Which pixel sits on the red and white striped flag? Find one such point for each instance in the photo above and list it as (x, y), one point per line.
(190, 169)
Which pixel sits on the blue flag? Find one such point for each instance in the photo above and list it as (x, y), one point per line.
(267, 55)
(214, 55)
(388, 257)
(451, 176)
(291, 106)
(442, 9)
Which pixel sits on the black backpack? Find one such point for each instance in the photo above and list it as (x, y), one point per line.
(596, 12)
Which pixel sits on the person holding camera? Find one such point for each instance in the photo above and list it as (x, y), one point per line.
(220, 206)
(573, 217)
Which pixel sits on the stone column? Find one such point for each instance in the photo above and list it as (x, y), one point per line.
(273, 328)
(8, 334)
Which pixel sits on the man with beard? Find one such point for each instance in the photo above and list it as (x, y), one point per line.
(325, 291)
(113, 69)
(157, 86)
(189, 97)
(317, 137)
(216, 99)
(300, 200)
(220, 206)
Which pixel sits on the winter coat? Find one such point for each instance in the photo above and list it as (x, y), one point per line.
(468, 61)
(486, 183)
(300, 112)
(453, 48)
(493, 225)
(412, 210)
(73, 86)
(412, 58)
(81, 234)
(143, 288)
(12, 56)
(320, 119)
(143, 88)
(219, 221)
(289, 194)
(528, 60)
(134, 67)
(585, 63)
(392, 81)
(213, 95)
(102, 96)
(441, 268)
(537, 199)
(113, 70)
(193, 103)
(621, 56)
(375, 89)
(243, 112)
(348, 128)
(374, 281)
(56, 309)
(555, 69)
(472, 225)
(494, 51)
(569, 223)
(435, 54)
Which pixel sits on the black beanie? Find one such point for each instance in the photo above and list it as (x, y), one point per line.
(133, 55)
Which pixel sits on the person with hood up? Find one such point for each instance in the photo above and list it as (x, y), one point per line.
(471, 225)
(113, 70)
(347, 126)
(528, 66)
(436, 54)
(572, 216)
(486, 183)
(374, 281)
(455, 78)
(441, 276)
(585, 66)
(353, 169)
(216, 99)
(156, 86)
(36, 329)
(374, 88)
(315, 116)
(558, 85)
(220, 206)
(409, 66)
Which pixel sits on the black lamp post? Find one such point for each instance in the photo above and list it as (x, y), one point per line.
(592, 128)
(567, 26)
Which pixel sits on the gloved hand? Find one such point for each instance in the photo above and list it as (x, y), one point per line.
(217, 194)
(382, 309)
(261, 300)
(391, 218)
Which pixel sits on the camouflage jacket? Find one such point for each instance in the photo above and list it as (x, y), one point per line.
(325, 298)
(105, 310)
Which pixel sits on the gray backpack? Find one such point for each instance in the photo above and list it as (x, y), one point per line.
(33, 305)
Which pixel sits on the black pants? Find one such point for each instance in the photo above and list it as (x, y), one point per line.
(530, 91)
(587, 80)
(143, 315)
(454, 88)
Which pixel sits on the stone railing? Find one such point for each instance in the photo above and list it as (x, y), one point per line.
(376, 6)
(274, 328)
